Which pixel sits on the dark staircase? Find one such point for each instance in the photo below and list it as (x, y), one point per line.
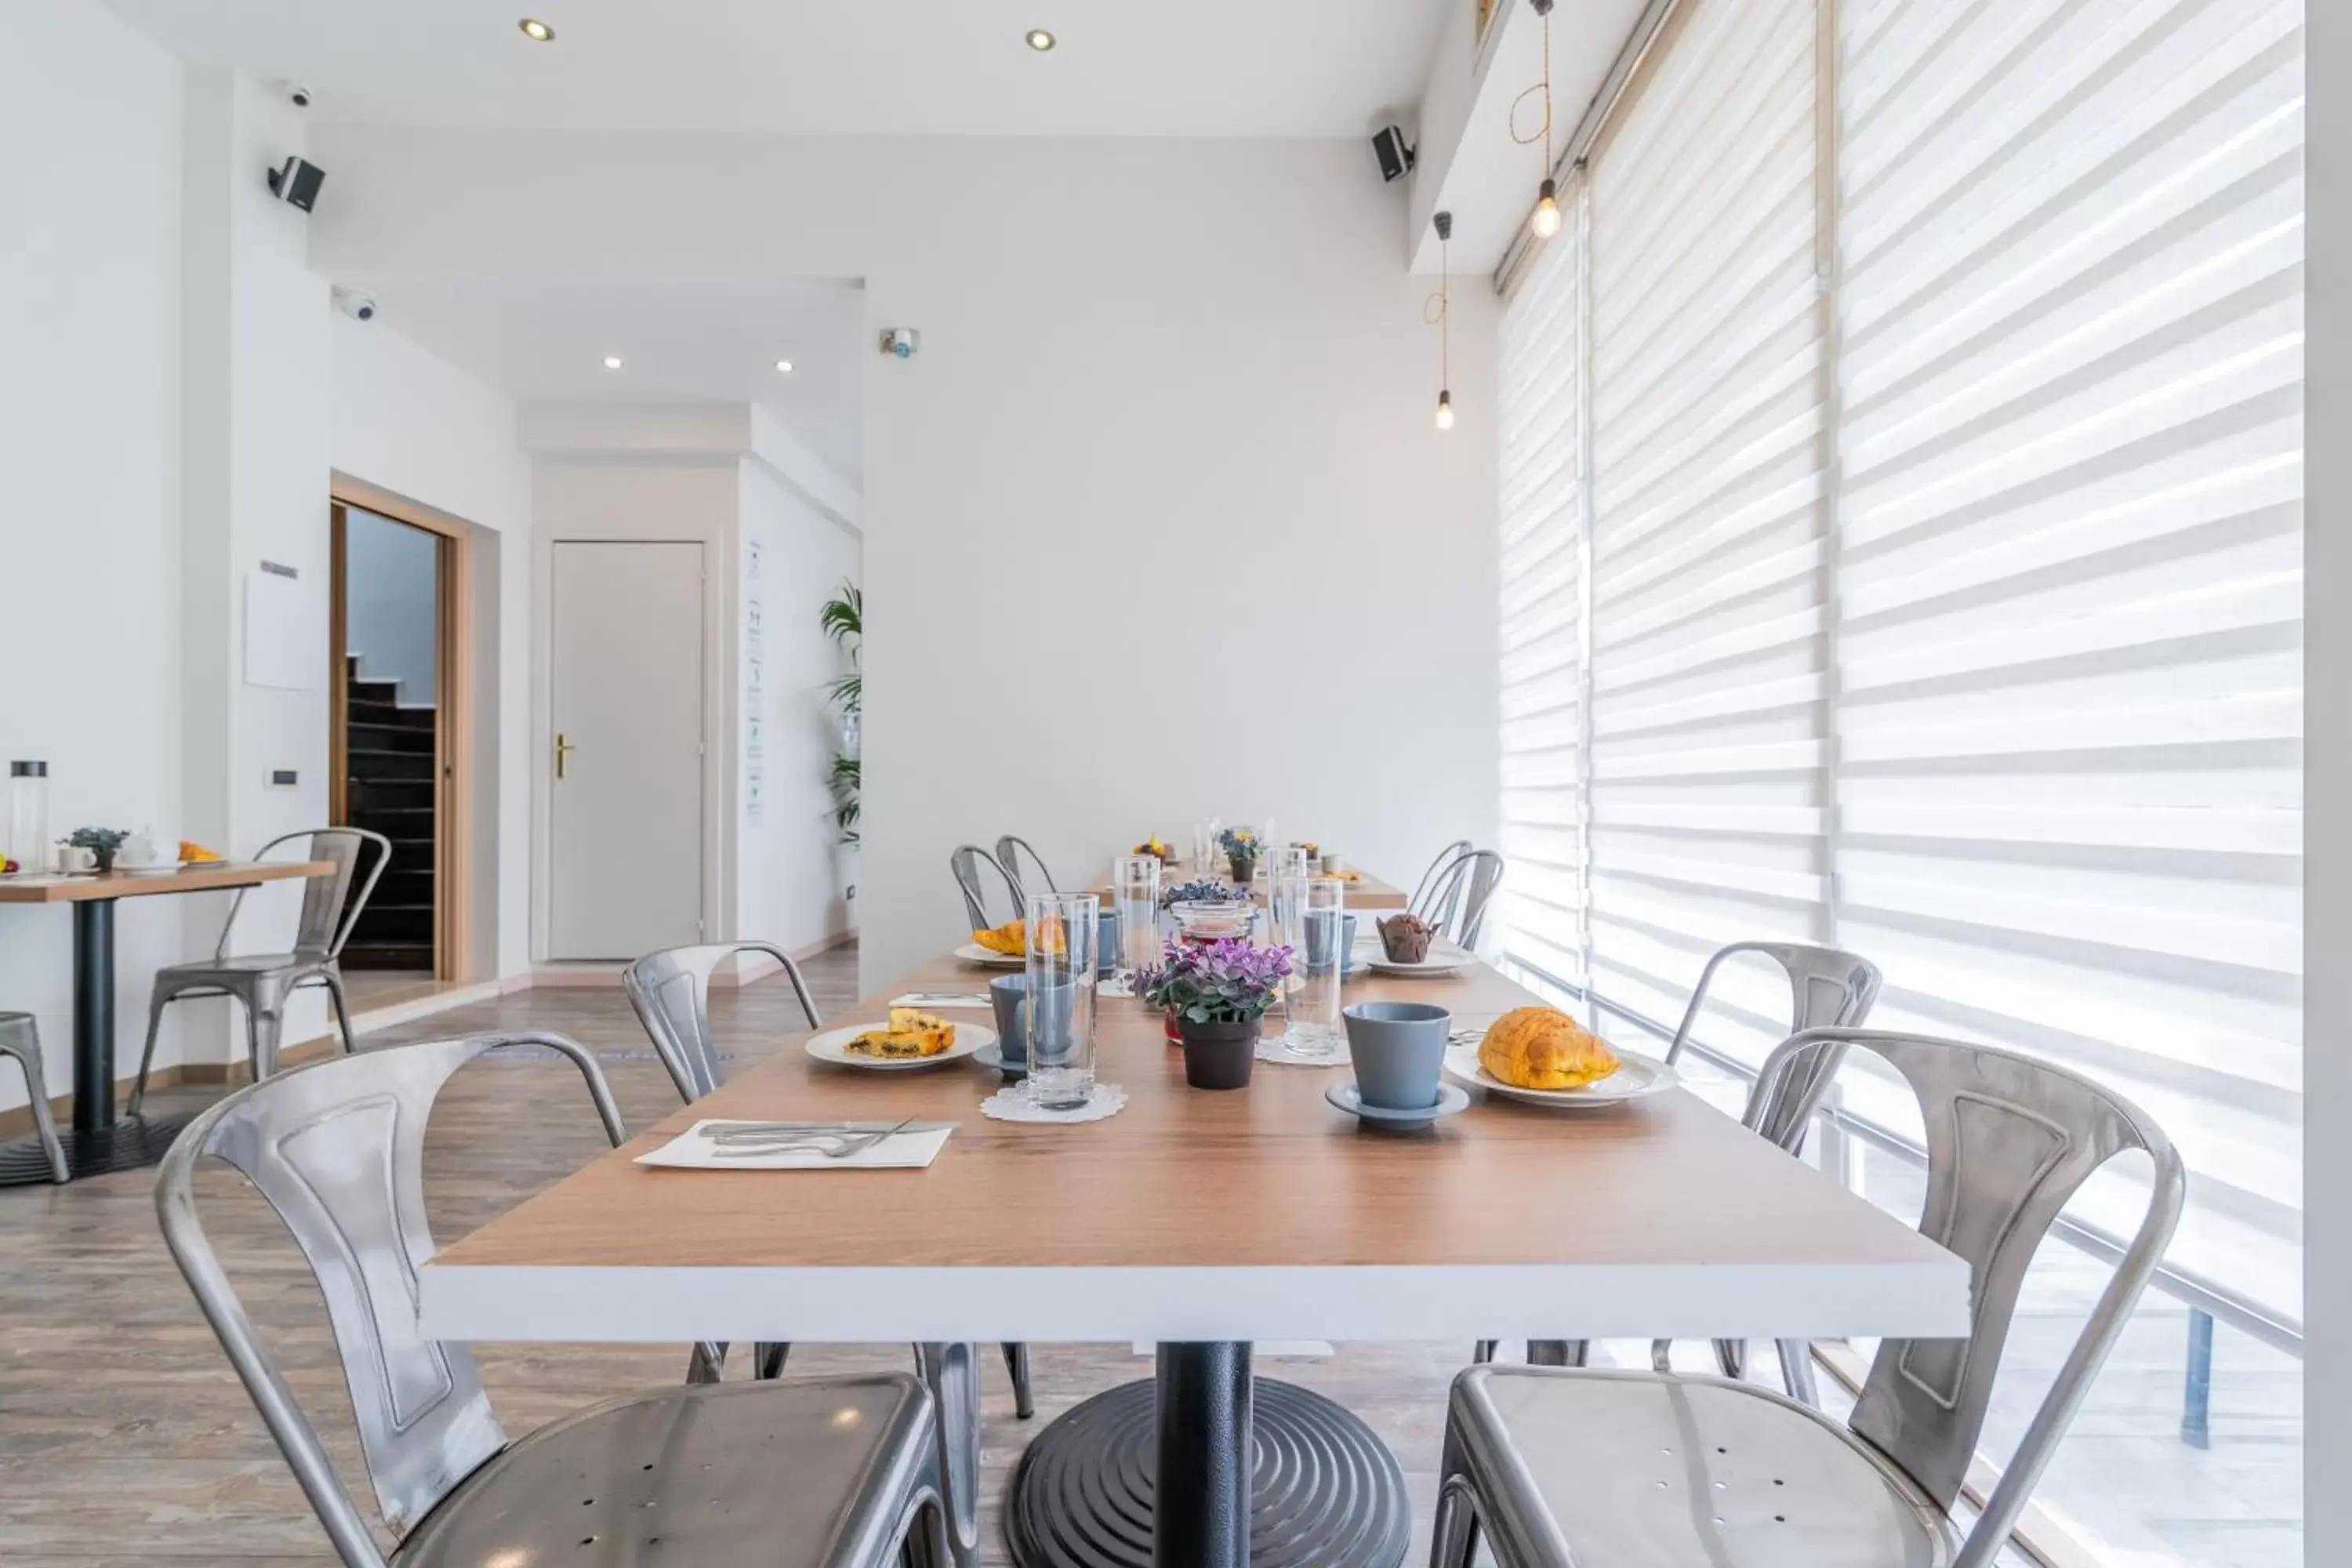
(388, 789)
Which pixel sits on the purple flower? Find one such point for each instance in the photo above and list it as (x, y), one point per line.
(1221, 982)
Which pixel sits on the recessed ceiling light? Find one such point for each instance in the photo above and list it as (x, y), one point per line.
(537, 31)
(1040, 40)
(785, 367)
(611, 362)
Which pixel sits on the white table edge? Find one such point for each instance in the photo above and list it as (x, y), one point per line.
(1926, 1299)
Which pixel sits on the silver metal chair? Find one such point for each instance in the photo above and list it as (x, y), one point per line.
(748, 1474)
(1589, 1469)
(20, 1040)
(1827, 989)
(1420, 902)
(670, 991)
(1458, 899)
(262, 982)
(1010, 852)
(965, 861)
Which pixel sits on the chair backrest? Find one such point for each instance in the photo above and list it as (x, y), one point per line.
(671, 993)
(337, 1147)
(1422, 891)
(1459, 898)
(1828, 989)
(330, 909)
(966, 862)
(1031, 878)
(2009, 1140)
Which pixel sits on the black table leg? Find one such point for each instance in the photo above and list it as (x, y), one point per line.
(1207, 1466)
(97, 1142)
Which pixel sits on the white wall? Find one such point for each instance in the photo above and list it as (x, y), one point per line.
(90, 448)
(391, 585)
(787, 891)
(2327, 784)
(410, 422)
(1172, 408)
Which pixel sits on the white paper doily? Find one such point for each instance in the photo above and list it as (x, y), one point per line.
(1010, 1104)
(1274, 1049)
(1114, 989)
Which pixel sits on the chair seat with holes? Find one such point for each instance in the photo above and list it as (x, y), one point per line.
(1636, 1471)
(773, 1474)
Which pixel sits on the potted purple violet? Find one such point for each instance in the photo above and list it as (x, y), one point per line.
(1216, 994)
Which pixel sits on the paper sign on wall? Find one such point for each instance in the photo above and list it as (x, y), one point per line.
(285, 633)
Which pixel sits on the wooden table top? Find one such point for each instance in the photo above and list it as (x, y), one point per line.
(1258, 1213)
(1366, 892)
(35, 889)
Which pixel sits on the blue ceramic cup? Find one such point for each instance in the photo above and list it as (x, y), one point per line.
(1008, 996)
(1399, 1050)
(1107, 938)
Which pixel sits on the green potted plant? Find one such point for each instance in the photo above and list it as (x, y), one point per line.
(1216, 995)
(102, 842)
(1242, 851)
(843, 619)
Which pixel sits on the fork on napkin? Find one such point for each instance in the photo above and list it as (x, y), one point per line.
(941, 999)
(715, 1144)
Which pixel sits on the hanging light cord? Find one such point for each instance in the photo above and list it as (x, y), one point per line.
(1433, 313)
(1542, 132)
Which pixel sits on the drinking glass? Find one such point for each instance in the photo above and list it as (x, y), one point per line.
(1205, 855)
(1064, 929)
(1135, 893)
(1311, 1010)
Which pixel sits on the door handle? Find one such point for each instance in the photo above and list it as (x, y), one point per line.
(563, 747)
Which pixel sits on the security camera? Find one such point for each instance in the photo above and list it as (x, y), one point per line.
(1396, 154)
(358, 305)
(900, 343)
(296, 182)
(297, 94)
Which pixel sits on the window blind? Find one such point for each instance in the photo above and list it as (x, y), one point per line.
(2070, 589)
(1708, 589)
(1542, 900)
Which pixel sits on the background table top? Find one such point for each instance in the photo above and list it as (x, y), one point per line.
(1366, 892)
(1263, 1213)
(42, 889)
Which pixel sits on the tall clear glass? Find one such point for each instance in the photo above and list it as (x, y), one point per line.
(1205, 855)
(1064, 929)
(1285, 884)
(1311, 1010)
(1135, 893)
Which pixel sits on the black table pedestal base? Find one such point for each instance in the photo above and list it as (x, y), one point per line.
(121, 1147)
(1325, 1492)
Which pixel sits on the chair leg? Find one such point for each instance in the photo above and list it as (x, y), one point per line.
(343, 1005)
(1016, 1361)
(951, 1371)
(768, 1360)
(1731, 1355)
(1454, 1536)
(1556, 1352)
(155, 1006)
(707, 1363)
(1484, 1351)
(37, 1097)
(261, 1035)
(1797, 1372)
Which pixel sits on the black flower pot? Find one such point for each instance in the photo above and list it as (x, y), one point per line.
(1219, 1054)
(105, 859)
(1241, 870)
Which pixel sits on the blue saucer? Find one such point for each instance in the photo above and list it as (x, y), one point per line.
(991, 1056)
(1452, 1099)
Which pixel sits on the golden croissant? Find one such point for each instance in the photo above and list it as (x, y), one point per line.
(1543, 1048)
(1011, 938)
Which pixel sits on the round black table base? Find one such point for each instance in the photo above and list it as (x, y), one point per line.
(126, 1146)
(1326, 1492)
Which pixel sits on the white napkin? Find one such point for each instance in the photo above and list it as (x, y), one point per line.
(692, 1151)
(911, 1000)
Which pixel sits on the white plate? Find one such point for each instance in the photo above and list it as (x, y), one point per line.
(973, 953)
(162, 868)
(1444, 958)
(832, 1046)
(1636, 1077)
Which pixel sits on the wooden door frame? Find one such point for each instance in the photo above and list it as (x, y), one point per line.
(453, 601)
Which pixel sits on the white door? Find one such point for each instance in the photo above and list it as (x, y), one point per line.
(625, 812)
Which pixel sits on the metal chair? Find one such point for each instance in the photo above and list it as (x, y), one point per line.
(748, 1474)
(262, 982)
(1420, 903)
(1594, 1468)
(1828, 988)
(1459, 898)
(1010, 852)
(670, 991)
(965, 861)
(20, 1040)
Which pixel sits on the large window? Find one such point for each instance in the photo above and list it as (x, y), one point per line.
(1902, 546)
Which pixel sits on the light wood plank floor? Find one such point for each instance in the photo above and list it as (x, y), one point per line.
(124, 1438)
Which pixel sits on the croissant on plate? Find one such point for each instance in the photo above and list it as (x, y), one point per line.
(1543, 1048)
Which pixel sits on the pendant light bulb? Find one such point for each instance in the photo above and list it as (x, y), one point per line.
(1546, 222)
(1446, 411)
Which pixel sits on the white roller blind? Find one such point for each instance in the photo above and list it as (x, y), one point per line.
(1708, 591)
(2071, 589)
(1542, 899)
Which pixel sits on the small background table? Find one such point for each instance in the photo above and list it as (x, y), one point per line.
(96, 1141)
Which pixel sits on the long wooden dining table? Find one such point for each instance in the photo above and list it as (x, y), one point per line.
(1204, 1221)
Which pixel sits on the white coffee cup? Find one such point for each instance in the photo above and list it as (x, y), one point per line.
(66, 858)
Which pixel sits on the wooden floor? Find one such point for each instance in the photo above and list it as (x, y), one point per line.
(124, 1437)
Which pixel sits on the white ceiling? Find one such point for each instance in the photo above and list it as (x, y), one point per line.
(1210, 67)
(700, 342)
